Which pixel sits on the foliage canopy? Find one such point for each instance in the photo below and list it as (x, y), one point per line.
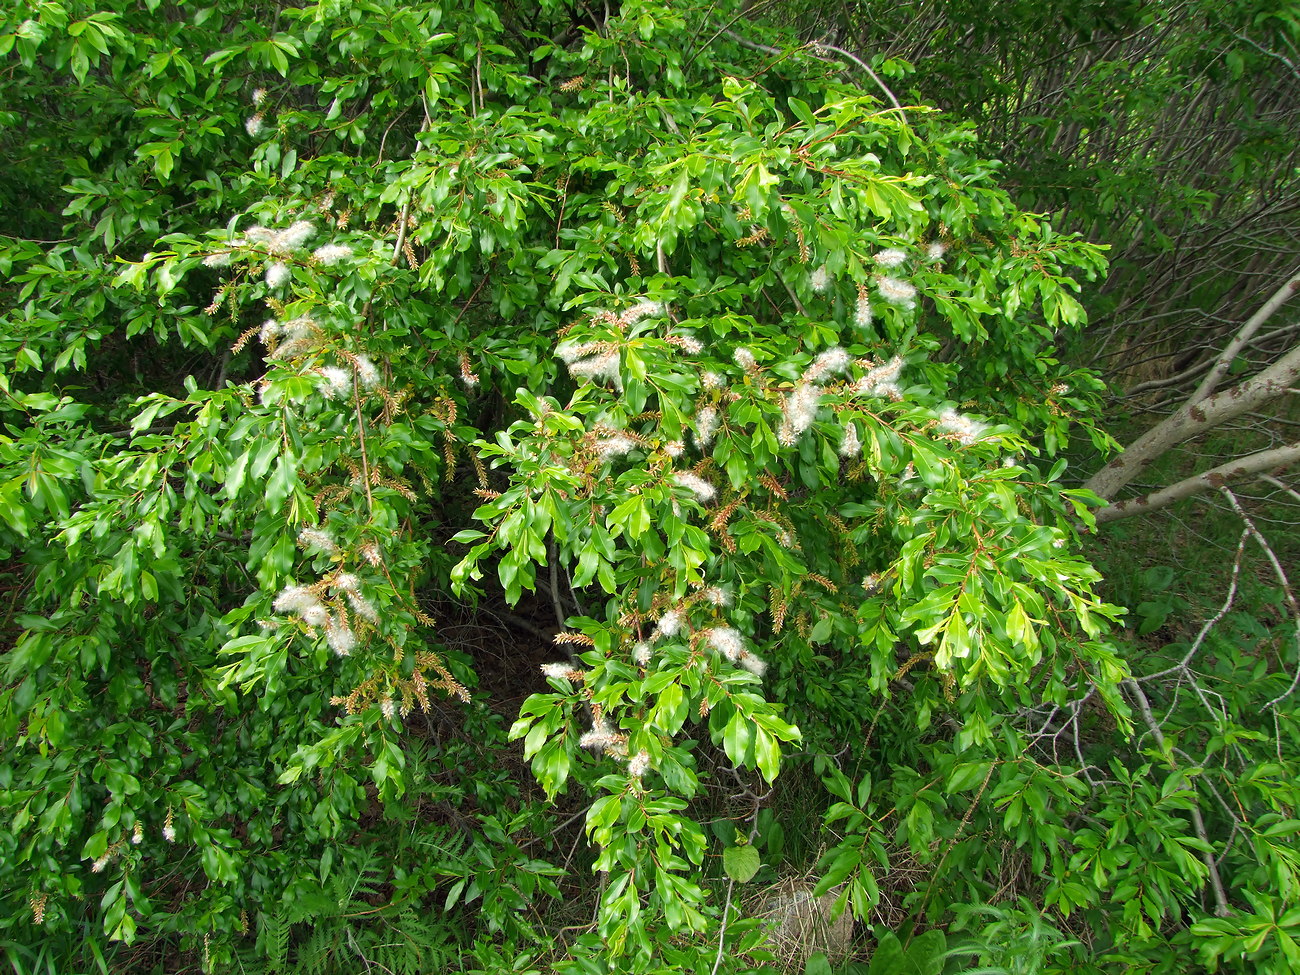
(326, 323)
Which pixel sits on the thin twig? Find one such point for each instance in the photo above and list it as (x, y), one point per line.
(1198, 823)
(822, 46)
(1280, 485)
(816, 49)
(361, 438)
(722, 931)
(1181, 666)
(554, 554)
(731, 883)
(1287, 592)
(401, 229)
(1229, 355)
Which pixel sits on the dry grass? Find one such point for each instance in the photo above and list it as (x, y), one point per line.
(799, 924)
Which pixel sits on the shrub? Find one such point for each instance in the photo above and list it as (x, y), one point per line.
(357, 307)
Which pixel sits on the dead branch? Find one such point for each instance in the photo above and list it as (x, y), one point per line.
(1195, 418)
(1257, 463)
(1221, 365)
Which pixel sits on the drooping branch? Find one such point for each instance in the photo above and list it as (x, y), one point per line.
(823, 46)
(1256, 463)
(821, 50)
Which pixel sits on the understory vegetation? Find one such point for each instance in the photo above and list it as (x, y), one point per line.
(537, 488)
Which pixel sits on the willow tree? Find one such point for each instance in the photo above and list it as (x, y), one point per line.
(361, 317)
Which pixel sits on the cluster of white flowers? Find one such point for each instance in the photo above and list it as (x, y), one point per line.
(935, 251)
(370, 552)
(862, 311)
(310, 538)
(798, 410)
(304, 602)
(890, 257)
(282, 243)
(294, 336)
(641, 653)
(820, 280)
(744, 358)
(367, 373)
(137, 833)
(896, 291)
(833, 360)
(253, 125)
(881, 380)
(706, 425)
(717, 596)
(687, 343)
(961, 428)
(336, 382)
(279, 244)
(728, 642)
(850, 445)
(562, 670)
(642, 309)
(669, 625)
(604, 737)
(332, 253)
(607, 448)
(467, 374)
(674, 448)
(711, 380)
(389, 707)
(639, 764)
(350, 586)
(277, 274)
(340, 636)
(704, 491)
(593, 361)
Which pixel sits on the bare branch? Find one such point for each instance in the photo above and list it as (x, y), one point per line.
(1162, 383)
(1198, 823)
(1181, 666)
(817, 49)
(822, 46)
(1287, 592)
(1221, 365)
(1262, 461)
(1195, 418)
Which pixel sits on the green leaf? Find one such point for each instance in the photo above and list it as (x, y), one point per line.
(741, 863)
(631, 517)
